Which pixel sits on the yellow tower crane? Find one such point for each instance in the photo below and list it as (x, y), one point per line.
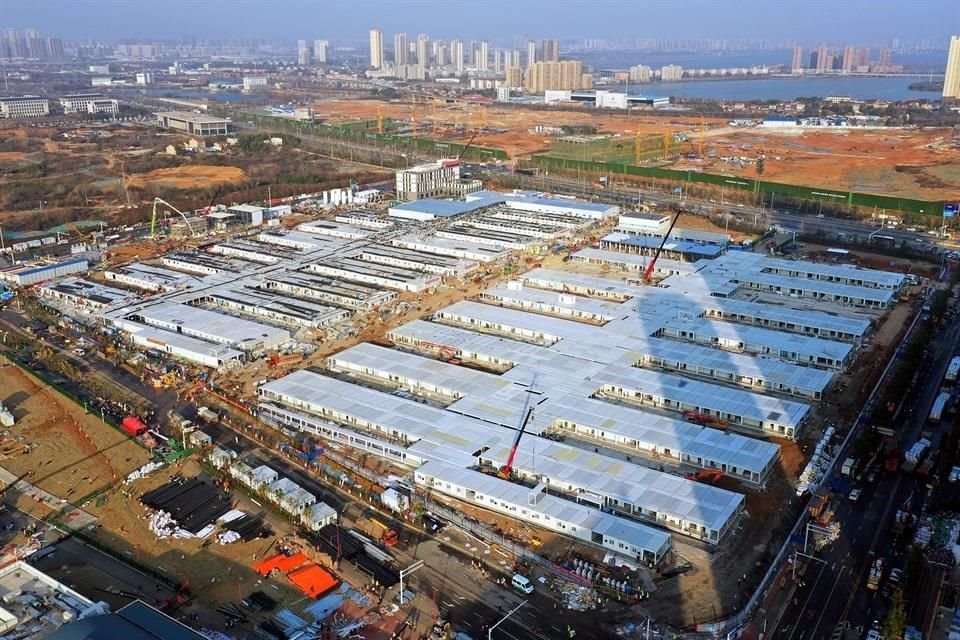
(637, 149)
(667, 135)
(413, 119)
(379, 119)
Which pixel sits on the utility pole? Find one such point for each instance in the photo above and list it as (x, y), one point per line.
(405, 572)
(501, 620)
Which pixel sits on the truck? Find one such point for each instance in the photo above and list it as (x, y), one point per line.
(892, 463)
(207, 414)
(936, 412)
(953, 370)
(134, 426)
(876, 574)
(915, 454)
(846, 470)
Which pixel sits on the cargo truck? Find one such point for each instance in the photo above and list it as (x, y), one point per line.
(939, 405)
(847, 469)
(953, 370)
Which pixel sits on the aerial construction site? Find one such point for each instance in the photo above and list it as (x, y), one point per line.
(611, 408)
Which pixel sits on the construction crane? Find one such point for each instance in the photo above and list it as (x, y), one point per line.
(700, 143)
(653, 262)
(505, 472)
(467, 146)
(667, 135)
(216, 194)
(379, 119)
(153, 220)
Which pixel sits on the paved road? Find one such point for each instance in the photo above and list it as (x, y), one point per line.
(834, 591)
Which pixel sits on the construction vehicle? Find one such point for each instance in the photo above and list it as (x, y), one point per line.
(153, 219)
(846, 470)
(707, 476)
(648, 272)
(818, 504)
(876, 575)
(704, 419)
(388, 537)
(508, 468)
(276, 360)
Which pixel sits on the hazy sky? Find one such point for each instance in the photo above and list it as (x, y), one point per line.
(501, 21)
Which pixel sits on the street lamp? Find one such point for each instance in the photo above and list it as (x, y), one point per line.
(405, 572)
(501, 620)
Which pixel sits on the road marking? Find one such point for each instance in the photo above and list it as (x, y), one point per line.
(829, 596)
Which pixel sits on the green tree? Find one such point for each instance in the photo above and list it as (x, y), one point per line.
(896, 622)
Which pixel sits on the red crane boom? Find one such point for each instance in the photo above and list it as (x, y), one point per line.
(653, 263)
(516, 443)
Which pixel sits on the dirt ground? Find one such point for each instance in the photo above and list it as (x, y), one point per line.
(913, 163)
(921, 268)
(453, 121)
(189, 177)
(72, 455)
(699, 223)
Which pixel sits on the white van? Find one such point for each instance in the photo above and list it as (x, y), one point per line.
(521, 584)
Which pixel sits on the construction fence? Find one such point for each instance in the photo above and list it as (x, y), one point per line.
(360, 133)
(844, 198)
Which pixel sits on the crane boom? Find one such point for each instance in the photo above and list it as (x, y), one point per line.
(648, 272)
(153, 221)
(516, 444)
(469, 142)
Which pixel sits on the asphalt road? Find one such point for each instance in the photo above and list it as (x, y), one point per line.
(833, 592)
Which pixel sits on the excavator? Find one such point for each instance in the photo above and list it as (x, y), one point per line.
(648, 272)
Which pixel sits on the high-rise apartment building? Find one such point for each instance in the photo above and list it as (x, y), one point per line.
(885, 58)
(498, 64)
(513, 77)
(849, 59)
(824, 60)
(483, 56)
(671, 73)
(796, 64)
(863, 57)
(951, 81)
(320, 51)
(531, 53)
(641, 73)
(550, 51)
(376, 48)
(423, 49)
(513, 60)
(401, 50)
(564, 76)
(441, 55)
(303, 53)
(456, 55)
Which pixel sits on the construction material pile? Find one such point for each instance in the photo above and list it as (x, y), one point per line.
(194, 509)
(575, 597)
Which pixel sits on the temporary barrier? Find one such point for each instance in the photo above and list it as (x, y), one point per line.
(313, 580)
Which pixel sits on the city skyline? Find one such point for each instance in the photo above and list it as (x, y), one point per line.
(933, 20)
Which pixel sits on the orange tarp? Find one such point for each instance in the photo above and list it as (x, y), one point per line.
(281, 562)
(313, 580)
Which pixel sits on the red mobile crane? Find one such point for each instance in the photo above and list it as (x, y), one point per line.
(505, 472)
(653, 263)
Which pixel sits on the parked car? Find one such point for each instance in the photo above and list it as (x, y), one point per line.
(854, 495)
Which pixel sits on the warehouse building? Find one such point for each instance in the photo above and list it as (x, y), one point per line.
(204, 263)
(588, 524)
(299, 240)
(630, 261)
(193, 123)
(567, 305)
(27, 275)
(268, 305)
(252, 251)
(149, 277)
(650, 245)
(85, 295)
(498, 238)
(334, 230)
(359, 270)
(209, 326)
(364, 220)
(474, 251)
(352, 295)
(418, 260)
